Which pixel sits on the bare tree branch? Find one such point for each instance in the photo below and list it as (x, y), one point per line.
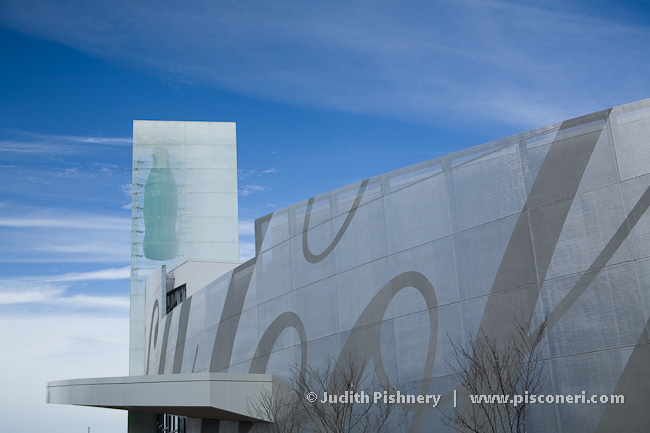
(281, 407)
(508, 366)
(343, 384)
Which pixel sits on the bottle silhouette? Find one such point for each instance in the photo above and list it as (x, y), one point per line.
(160, 208)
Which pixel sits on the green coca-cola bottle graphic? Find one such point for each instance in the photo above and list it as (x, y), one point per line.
(160, 208)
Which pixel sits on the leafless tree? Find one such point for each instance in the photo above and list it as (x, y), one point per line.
(281, 407)
(292, 410)
(511, 365)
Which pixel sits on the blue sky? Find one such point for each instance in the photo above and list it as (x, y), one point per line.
(324, 93)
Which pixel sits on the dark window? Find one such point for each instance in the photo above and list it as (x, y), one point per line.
(170, 424)
(175, 297)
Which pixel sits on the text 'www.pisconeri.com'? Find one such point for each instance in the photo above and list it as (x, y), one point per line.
(517, 400)
(433, 399)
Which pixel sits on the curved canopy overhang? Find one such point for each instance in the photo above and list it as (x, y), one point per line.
(224, 396)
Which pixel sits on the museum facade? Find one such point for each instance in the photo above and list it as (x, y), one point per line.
(551, 224)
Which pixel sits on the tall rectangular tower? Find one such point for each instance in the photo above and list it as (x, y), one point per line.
(184, 198)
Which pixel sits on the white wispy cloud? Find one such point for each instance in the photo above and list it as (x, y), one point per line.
(243, 174)
(432, 61)
(30, 142)
(47, 234)
(84, 302)
(63, 138)
(48, 296)
(106, 168)
(78, 221)
(72, 248)
(113, 141)
(246, 190)
(56, 145)
(44, 297)
(246, 250)
(24, 147)
(101, 274)
(127, 189)
(30, 294)
(51, 291)
(246, 227)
